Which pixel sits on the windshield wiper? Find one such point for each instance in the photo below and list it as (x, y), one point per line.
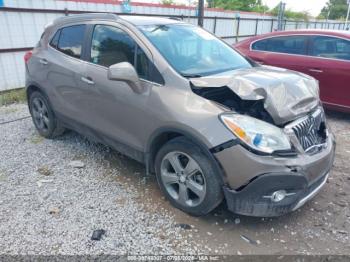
(160, 27)
(191, 75)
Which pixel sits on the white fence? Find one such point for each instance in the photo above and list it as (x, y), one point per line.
(22, 22)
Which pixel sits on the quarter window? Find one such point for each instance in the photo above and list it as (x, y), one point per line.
(54, 41)
(283, 44)
(330, 47)
(71, 40)
(111, 45)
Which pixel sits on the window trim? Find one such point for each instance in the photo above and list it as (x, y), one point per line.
(88, 43)
(308, 43)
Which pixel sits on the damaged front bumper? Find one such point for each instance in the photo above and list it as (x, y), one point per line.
(255, 198)
(253, 180)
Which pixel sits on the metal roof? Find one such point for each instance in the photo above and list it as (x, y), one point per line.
(86, 16)
(135, 20)
(148, 20)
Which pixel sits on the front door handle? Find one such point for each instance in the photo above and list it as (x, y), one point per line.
(43, 61)
(315, 70)
(87, 80)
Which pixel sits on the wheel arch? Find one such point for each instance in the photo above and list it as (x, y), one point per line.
(161, 136)
(31, 88)
(34, 87)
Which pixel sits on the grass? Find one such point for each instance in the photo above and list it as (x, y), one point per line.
(12, 96)
(36, 138)
(44, 170)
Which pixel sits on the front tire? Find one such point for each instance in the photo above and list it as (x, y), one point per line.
(43, 116)
(187, 177)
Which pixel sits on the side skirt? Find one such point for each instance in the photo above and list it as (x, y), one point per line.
(101, 138)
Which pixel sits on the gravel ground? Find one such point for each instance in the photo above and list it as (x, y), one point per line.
(55, 193)
(49, 206)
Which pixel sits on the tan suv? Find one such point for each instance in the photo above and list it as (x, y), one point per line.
(208, 122)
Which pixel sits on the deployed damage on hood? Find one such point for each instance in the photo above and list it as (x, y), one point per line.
(268, 93)
(224, 95)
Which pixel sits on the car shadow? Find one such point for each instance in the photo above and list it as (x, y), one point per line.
(335, 115)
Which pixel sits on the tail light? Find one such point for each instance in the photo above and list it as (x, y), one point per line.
(27, 56)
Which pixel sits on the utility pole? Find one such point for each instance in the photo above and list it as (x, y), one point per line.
(328, 14)
(263, 20)
(281, 10)
(347, 17)
(200, 12)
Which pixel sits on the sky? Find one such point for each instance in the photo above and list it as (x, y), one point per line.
(312, 6)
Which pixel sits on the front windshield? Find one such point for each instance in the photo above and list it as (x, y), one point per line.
(192, 51)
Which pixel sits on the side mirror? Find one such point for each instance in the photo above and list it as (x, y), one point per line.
(124, 71)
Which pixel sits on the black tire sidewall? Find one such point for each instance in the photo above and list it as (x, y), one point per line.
(52, 126)
(214, 194)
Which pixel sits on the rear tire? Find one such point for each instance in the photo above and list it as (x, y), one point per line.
(187, 177)
(43, 116)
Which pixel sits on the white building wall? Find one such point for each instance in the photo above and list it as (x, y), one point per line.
(23, 29)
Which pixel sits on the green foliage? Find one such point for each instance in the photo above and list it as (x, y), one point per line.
(167, 2)
(239, 5)
(289, 14)
(13, 96)
(335, 8)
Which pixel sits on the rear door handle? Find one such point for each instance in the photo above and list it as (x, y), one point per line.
(87, 80)
(315, 70)
(43, 61)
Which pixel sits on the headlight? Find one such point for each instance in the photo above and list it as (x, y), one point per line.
(257, 134)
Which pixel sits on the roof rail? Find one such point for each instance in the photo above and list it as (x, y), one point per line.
(86, 16)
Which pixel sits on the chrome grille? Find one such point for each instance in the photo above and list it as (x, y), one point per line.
(311, 131)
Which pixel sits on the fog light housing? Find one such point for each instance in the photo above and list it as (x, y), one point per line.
(278, 195)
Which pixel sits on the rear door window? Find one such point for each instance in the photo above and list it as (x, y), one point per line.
(330, 47)
(71, 40)
(283, 44)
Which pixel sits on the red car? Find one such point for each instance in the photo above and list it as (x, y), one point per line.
(323, 54)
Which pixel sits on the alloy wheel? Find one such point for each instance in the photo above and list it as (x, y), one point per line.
(183, 179)
(40, 114)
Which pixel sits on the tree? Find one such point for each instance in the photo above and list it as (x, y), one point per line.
(239, 5)
(167, 2)
(334, 9)
(290, 14)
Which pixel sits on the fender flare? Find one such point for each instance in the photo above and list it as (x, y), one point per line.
(150, 155)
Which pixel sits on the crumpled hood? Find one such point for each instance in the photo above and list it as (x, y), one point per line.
(287, 94)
